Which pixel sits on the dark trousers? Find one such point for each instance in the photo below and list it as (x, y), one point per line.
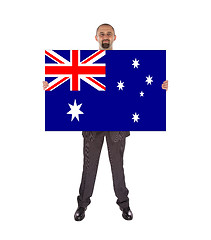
(92, 150)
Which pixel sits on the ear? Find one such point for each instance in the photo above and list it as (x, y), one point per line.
(96, 38)
(114, 37)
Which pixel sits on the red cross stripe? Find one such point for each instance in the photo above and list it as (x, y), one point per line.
(75, 70)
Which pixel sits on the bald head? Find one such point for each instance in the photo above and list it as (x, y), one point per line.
(105, 36)
(105, 24)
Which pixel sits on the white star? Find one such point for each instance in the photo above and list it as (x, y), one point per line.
(149, 80)
(135, 63)
(75, 110)
(141, 94)
(120, 85)
(135, 117)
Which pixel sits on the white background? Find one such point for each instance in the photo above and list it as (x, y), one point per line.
(167, 173)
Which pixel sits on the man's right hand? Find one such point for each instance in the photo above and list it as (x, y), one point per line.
(45, 85)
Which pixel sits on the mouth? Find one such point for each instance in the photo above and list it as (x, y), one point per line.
(105, 43)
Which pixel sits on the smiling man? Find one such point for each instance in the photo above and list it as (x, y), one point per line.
(93, 142)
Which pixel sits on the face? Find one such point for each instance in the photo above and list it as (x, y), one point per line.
(105, 36)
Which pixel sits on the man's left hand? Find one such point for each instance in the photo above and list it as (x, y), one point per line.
(165, 85)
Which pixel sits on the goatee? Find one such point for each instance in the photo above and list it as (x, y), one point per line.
(105, 45)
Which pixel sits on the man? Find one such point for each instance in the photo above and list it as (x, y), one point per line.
(93, 142)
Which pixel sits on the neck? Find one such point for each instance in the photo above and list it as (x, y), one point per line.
(111, 48)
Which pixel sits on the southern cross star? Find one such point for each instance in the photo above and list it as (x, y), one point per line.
(120, 85)
(135, 117)
(75, 110)
(141, 94)
(149, 80)
(135, 63)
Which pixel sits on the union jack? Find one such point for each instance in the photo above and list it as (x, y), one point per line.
(75, 70)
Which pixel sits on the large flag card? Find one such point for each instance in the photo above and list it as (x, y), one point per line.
(113, 90)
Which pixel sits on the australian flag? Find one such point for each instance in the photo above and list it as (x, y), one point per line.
(113, 90)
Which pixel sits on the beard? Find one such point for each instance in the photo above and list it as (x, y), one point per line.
(105, 45)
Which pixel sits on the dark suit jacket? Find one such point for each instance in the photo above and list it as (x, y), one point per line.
(115, 136)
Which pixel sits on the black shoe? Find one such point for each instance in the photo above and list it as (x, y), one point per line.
(80, 214)
(127, 213)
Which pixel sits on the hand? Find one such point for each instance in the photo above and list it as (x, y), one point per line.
(165, 85)
(45, 85)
